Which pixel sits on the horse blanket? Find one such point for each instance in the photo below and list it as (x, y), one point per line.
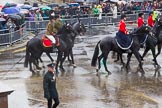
(123, 41)
(46, 42)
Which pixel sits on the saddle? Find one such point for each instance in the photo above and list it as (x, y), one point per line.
(46, 42)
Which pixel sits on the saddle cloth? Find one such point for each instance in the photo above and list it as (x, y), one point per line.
(46, 42)
(123, 41)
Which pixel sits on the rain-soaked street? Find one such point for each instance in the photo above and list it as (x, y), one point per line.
(80, 87)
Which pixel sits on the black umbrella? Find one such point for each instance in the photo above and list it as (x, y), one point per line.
(21, 15)
(53, 5)
(14, 17)
(33, 8)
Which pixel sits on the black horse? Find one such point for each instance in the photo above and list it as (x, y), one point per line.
(155, 40)
(78, 29)
(67, 34)
(35, 48)
(109, 44)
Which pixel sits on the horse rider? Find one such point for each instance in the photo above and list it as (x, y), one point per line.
(123, 32)
(140, 20)
(50, 33)
(150, 20)
(57, 25)
(122, 25)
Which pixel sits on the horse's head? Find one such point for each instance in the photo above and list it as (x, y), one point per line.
(82, 28)
(79, 28)
(144, 29)
(67, 27)
(158, 21)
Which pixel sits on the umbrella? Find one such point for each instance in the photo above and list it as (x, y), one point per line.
(53, 5)
(74, 4)
(9, 5)
(85, 6)
(21, 15)
(122, 2)
(24, 11)
(2, 19)
(25, 6)
(64, 5)
(15, 17)
(11, 10)
(33, 8)
(45, 8)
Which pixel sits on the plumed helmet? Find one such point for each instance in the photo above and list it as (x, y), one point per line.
(123, 16)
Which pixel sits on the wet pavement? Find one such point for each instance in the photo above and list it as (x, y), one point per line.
(80, 87)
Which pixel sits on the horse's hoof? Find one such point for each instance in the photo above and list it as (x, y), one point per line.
(127, 67)
(97, 70)
(116, 60)
(57, 72)
(74, 65)
(39, 68)
(159, 67)
(62, 69)
(141, 70)
(109, 73)
(33, 72)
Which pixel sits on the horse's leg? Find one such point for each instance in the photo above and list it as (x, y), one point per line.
(121, 59)
(59, 57)
(42, 62)
(138, 56)
(30, 65)
(128, 60)
(104, 62)
(145, 52)
(62, 60)
(99, 63)
(36, 64)
(118, 55)
(48, 54)
(159, 49)
(72, 58)
(154, 56)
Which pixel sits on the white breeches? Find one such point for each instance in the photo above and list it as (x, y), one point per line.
(51, 38)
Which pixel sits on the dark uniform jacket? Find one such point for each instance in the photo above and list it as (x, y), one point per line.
(49, 85)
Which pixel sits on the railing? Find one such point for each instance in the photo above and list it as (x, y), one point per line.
(9, 36)
(87, 21)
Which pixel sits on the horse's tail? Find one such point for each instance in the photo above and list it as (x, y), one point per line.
(27, 56)
(95, 55)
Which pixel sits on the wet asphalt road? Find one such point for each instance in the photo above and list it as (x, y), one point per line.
(80, 87)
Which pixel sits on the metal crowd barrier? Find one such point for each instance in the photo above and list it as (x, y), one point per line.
(87, 21)
(10, 36)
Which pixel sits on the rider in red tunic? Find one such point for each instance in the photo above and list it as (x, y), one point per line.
(140, 20)
(150, 20)
(122, 25)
